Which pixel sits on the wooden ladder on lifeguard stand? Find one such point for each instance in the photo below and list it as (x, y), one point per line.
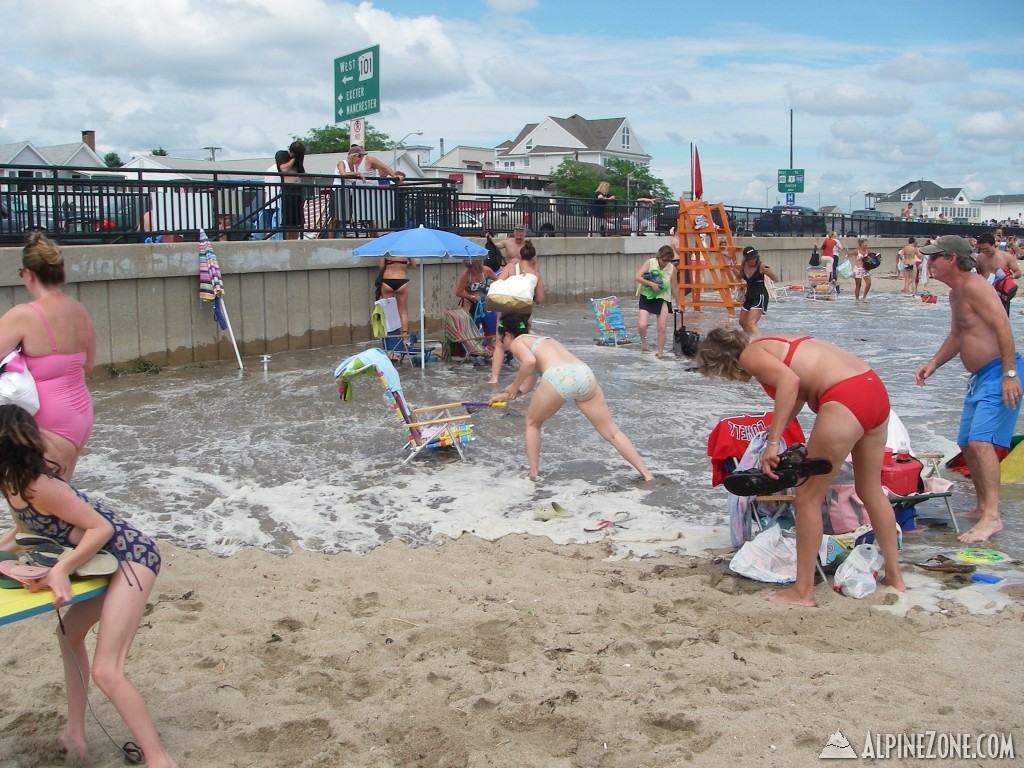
(705, 276)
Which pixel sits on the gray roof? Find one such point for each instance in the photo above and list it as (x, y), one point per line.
(1003, 199)
(921, 190)
(593, 134)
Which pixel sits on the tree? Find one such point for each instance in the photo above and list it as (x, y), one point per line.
(335, 138)
(575, 179)
(159, 152)
(112, 160)
(639, 182)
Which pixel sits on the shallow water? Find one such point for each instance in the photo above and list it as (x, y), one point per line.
(221, 459)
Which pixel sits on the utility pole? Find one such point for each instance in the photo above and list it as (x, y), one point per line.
(213, 152)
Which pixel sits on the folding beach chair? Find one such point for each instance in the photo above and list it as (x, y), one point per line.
(776, 291)
(386, 325)
(610, 325)
(443, 430)
(819, 284)
(461, 337)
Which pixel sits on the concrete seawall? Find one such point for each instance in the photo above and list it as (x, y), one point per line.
(287, 295)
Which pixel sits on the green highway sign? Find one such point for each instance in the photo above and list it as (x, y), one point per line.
(357, 84)
(791, 180)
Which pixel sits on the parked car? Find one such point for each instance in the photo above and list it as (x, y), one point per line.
(16, 218)
(462, 222)
(790, 220)
(873, 214)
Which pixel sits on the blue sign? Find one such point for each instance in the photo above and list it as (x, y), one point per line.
(790, 198)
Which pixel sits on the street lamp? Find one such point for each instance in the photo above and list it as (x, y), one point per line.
(629, 176)
(770, 186)
(394, 160)
(850, 205)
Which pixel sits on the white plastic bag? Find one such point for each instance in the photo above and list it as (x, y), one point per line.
(856, 576)
(845, 269)
(17, 387)
(513, 295)
(770, 556)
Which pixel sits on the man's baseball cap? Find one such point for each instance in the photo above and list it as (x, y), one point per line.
(954, 245)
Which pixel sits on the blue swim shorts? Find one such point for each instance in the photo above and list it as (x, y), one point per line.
(985, 419)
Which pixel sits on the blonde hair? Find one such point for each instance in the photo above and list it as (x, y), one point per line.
(43, 258)
(719, 354)
(603, 187)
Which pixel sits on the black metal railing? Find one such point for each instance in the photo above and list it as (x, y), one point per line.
(86, 205)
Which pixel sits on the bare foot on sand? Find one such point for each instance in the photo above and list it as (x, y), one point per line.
(646, 478)
(896, 584)
(791, 597)
(492, 381)
(76, 753)
(983, 531)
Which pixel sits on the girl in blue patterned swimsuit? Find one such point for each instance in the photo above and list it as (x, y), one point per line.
(564, 378)
(44, 504)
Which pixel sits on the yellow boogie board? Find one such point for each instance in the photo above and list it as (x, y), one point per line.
(17, 604)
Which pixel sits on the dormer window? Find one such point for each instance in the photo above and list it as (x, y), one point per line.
(529, 144)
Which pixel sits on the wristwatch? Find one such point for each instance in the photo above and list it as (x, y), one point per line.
(1010, 374)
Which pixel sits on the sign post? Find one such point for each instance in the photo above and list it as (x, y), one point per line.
(357, 84)
(791, 180)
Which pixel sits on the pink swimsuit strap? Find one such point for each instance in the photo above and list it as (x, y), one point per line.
(46, 326)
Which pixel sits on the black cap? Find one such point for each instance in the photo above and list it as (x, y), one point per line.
(750, 252)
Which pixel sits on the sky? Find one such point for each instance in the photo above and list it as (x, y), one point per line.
(881, 93)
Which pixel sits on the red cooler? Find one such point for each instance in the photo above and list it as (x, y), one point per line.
(903, 477)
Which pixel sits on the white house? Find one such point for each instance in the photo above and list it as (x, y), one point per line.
(80, 154)
(952, 203)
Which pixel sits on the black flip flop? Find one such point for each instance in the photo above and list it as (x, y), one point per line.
(754, 482)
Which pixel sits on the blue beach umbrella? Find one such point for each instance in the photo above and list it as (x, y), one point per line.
(420, 243)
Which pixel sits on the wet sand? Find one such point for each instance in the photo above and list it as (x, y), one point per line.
(513, 650)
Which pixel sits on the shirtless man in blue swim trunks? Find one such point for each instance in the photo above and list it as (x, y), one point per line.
(564, 379)
(980, 333)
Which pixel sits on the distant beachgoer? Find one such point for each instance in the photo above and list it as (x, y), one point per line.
(655, 283)
(598, 204)
(564, 378)
(860, 274)
(909, 259)
(852, 408)
(755, 302)
(43, 504)
(998, 267)
(291, 163)
(395, 284)
(980, 333)
(829, 246)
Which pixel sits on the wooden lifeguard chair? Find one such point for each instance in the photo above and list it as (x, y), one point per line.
(707, 260)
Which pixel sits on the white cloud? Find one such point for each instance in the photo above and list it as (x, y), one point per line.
(914, 67)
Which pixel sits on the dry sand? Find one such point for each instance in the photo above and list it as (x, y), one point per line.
(520, 653)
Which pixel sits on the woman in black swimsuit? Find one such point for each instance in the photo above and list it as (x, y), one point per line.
(752, 271)
(395, 284)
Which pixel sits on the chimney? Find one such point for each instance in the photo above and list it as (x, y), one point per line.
(442, 147)
(89, 138)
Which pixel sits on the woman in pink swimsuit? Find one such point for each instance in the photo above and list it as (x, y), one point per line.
(852, 408)
(59, 346)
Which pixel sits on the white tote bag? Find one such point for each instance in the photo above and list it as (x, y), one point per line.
(513, 295)
(17, 387)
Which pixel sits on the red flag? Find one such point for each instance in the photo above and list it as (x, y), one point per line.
(698, 182)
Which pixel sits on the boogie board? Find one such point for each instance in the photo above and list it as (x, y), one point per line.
(17, 604)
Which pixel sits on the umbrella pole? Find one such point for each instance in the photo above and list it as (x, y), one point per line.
(423, 324)
(231, 333)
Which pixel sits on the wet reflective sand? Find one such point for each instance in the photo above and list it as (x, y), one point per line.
(210, 457)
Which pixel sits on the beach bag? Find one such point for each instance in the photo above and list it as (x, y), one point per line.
(689, 342)
(17, 387)
(871, 260)
(769, 557)
(513, 295)
(815, 260)
(845, 269)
